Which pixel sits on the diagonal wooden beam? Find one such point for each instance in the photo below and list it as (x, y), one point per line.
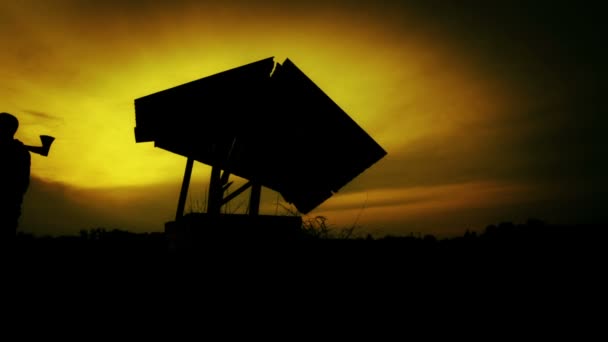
(236, 193)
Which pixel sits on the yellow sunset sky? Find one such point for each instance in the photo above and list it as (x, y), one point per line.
(428, 91)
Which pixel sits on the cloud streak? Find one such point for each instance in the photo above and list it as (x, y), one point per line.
(42, 115)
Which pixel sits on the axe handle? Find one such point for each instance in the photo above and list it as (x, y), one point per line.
(41, 150)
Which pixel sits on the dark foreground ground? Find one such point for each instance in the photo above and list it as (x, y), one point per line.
(515, 266)
(504, 241)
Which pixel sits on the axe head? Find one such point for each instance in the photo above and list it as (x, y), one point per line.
(47, 141)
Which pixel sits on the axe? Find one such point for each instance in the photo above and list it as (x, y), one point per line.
(43, 150)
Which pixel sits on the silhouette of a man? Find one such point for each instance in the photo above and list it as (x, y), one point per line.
(14, 176)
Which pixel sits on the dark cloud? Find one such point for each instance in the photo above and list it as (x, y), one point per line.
(42, 115)
(56, 208)
(552, 55)
(559, 161)
(553, 144)
(536, 44)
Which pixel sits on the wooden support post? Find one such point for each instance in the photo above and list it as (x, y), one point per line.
(214, 202)
(225, 177)
(254, 200)
(181, 204)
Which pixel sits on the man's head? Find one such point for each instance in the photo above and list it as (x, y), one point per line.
(8, 126)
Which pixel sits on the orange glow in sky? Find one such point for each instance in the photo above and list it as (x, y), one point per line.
(85, 73)
(74, 72)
